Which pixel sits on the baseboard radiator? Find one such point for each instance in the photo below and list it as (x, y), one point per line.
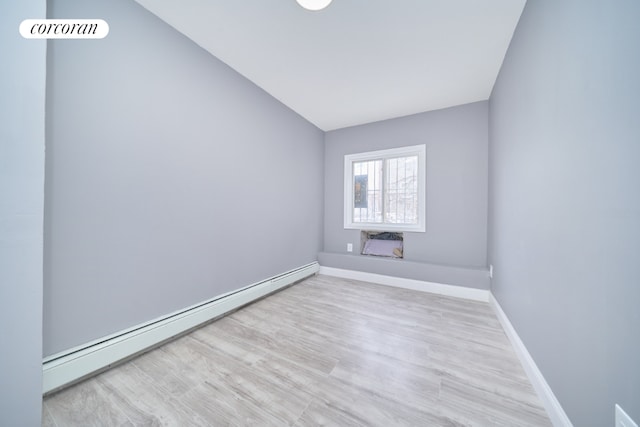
(71, 366)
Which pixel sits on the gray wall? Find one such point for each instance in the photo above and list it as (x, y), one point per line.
(22, 138)
(565, 200)
(457, 147)
(170, 178)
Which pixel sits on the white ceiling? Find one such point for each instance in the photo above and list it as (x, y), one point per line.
(357, 61)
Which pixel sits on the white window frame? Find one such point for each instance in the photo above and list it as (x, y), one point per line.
(349, 159)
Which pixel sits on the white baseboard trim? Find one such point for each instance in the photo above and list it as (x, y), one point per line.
(75, 364)
(416, 285)
(557, 415)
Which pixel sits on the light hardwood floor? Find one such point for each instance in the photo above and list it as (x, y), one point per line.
(325, 351)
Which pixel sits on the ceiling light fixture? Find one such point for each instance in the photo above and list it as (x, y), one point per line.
(314, 4)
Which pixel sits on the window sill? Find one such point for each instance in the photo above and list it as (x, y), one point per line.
(385, 227)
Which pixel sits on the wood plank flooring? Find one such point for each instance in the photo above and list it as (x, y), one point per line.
(325, 351)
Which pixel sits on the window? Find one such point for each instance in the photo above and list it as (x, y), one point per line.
(385, 190)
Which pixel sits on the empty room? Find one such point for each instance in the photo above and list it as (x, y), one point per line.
(316, 212)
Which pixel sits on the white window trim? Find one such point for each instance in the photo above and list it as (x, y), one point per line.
(349, 159)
